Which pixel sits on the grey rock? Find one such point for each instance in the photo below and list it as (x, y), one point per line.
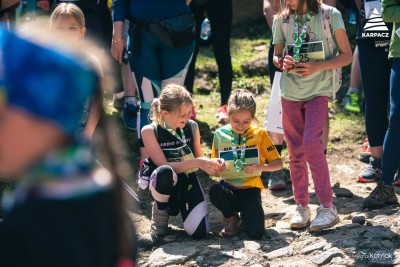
(349, 243)
(236, 254)
(281, 252)
(170, 238)
(369, 244)
(387, 244)
(358, 219)
(199, 259)
(326, 256)
(171, 254)
(379, 233)
(343, 192)
(252, 245)
(313, 247)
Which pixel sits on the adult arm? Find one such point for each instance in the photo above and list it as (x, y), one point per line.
(120, 11)
(358, 3)
(391, 11)
(271, 7)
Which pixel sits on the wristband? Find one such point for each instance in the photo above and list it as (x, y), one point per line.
(280, 62)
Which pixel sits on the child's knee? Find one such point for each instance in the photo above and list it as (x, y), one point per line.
(216, 193)
(163, 179)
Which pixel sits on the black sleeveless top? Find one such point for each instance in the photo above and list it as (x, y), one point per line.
(174, 149)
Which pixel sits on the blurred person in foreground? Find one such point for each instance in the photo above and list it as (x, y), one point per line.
(64, 211)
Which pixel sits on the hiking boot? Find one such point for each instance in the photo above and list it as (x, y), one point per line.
(381, 195)
(231, 225)
(372, 172)
(222, 114)
(301, 217)
(277, 180)
(365, 152)
(350, 102)
(129, 116)
(159, 222)
(326, 218)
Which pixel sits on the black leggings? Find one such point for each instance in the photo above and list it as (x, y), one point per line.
(375, 75)
(246, 201)
(220, 16)
(181, 193)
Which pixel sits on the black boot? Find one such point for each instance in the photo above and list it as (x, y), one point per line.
(380, 196)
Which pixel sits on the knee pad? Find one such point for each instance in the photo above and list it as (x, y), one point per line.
(162, 181)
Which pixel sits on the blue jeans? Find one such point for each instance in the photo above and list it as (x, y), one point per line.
(391, 145)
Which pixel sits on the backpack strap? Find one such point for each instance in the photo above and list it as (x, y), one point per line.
(193, 127)
(326, 23)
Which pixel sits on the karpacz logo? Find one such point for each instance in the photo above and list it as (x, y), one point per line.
(375, 27)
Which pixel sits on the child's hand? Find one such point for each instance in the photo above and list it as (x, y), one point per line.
(210, 166)
(288, 63)
(306, 69)
(251, 168)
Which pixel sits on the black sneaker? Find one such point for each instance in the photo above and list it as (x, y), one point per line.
(381, 195)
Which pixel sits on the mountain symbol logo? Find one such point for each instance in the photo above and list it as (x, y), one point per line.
(375, 22)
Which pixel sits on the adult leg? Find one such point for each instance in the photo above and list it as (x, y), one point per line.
(391, 157)
(375, 73)
(146, 71)
(198, 13)
(220, 15)
(251, 211)
(384, 192)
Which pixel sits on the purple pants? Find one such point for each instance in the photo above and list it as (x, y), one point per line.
(302, 123)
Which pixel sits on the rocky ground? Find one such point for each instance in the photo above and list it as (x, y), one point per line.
(363, 237)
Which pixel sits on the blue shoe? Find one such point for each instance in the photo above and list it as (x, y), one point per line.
(129, 116)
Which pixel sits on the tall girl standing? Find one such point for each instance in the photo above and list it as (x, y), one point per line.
(306, 85)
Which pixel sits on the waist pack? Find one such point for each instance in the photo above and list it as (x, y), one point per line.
(176, 32)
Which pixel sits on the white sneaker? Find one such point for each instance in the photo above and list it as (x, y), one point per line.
(301, 217)
(326, 218)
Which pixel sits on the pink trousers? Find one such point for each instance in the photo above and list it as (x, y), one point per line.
(302, 123)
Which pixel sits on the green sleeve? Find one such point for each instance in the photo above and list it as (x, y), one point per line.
(391, 11)
(278, 37)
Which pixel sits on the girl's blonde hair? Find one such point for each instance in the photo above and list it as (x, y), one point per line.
(68, 9)
(312, 5)
(172, 97)
(242, 100)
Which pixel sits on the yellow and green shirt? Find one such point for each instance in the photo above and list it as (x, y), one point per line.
(259, 148)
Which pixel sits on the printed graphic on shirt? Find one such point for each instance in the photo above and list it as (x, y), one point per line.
(179, 154)
(310, 36)
(251, 157)
(374, 27)
(398, 32)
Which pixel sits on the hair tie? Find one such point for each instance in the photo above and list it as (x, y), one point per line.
(156, 102)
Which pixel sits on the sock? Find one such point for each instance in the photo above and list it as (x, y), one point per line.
(279, 149)
(352, 90)
(327, 205)
(131, 100)
(161, 206)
